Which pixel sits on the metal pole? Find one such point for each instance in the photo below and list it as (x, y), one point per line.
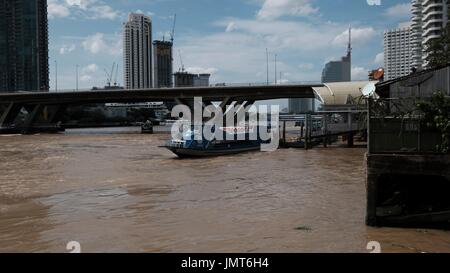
(56, 76)
(307, 131)
(267, 62)
(325, 131)
(77, 78)
(276, 82)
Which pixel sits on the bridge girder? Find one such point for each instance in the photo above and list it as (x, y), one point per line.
(37, 104)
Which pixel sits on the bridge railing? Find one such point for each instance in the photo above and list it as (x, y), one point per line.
(242, 84)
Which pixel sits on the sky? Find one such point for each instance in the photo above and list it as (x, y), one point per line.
(227, 38)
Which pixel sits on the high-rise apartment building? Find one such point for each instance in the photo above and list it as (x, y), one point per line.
(137, 52)
(416, 34)
(404, 49)
(23, 45)
(163, 64)
(398, 51)
(429, 18)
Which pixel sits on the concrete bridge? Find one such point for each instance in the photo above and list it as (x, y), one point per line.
(39, 110)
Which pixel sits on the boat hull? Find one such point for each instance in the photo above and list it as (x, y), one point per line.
(197, 153)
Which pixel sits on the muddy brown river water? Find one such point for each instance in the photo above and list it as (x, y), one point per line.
(115, 190)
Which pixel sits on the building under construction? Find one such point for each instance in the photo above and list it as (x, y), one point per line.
(163, 65)
(186, 79)
(23, 45)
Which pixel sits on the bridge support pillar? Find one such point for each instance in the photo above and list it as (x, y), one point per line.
(57, 114)
(10, 114)
(31, 118)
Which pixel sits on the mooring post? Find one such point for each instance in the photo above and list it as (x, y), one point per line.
(325, 131)
(307, 131)
(302, 128)
(351, 134)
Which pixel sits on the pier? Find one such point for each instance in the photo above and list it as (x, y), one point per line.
(322, 127)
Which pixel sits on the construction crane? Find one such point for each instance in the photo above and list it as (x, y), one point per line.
(172, 34)
(181, 61)
(115, 78)
(110, 75)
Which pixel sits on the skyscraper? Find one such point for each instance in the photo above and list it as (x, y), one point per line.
(429, 17)
(163, 64)
(398, 52)
(137, 52)
(339, 71)
(23, 45)
(416, 34)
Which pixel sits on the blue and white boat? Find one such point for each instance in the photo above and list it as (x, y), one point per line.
(188, 147)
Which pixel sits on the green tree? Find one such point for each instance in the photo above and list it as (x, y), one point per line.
(437, 116)
(438, 50)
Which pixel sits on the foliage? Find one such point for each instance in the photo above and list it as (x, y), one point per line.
(437, 116)
(438, 50)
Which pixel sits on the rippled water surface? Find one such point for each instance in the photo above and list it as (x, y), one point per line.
(114, 190)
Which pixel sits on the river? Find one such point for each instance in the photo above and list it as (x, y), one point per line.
(115, 190)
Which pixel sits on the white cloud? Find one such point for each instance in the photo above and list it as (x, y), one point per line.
(359, 36)
(56, 10)
(91, 68)
(88, 73)
(103, 12)
(149, 13)
(272, 9)
(91, 9)
(306, 66)
(65, 49)
(281, 34)
(230, 27)
(94, 43)
(98, 43)
(399, 11)
(379, 59)
(359, 73)
(85, 78)
(239, 55)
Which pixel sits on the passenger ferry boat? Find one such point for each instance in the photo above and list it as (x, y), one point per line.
(188, 147)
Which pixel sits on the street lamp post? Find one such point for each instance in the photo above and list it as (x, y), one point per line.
(276, 81)
(77, 77)
(56, 76)
(267, 61)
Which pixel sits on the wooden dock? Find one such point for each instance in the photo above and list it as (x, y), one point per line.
(310, 130)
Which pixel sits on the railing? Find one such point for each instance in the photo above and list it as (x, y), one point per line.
(397, 126)
(249, 84)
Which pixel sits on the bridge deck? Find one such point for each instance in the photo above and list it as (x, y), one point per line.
(243, 93)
